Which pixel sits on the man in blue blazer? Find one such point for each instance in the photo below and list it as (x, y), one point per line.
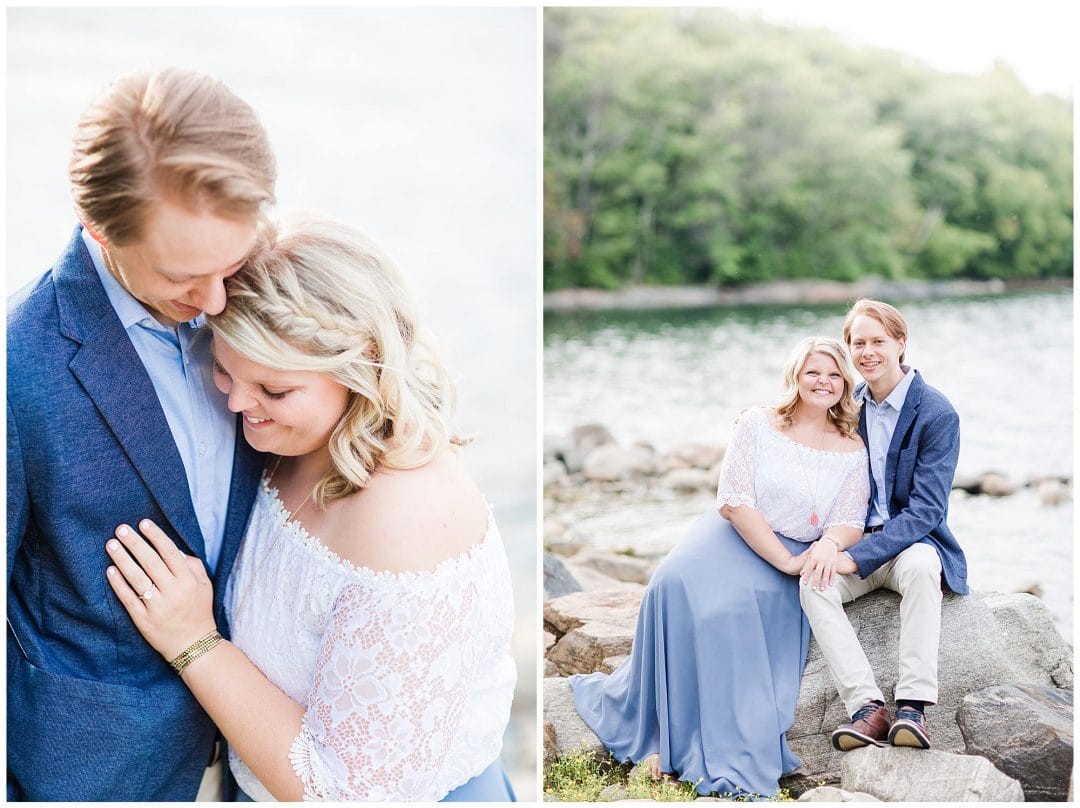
(912, 437)
(113, 417)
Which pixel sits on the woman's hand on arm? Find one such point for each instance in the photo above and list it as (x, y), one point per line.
(255, 716)
(755, 531)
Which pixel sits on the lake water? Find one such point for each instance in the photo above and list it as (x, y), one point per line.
(1005, 363)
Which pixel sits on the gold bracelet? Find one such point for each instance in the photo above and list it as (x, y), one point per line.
(834, 541)
(196, 650)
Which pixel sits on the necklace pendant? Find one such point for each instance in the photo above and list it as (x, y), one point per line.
(814, 518)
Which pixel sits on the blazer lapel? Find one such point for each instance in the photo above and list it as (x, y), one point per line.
(246, 471)
(860, 394)
(903, 424)
(114, 378)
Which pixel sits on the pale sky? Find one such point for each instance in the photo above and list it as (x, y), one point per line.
(1037, 38)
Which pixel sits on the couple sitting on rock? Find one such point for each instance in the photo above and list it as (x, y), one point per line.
(819, 503)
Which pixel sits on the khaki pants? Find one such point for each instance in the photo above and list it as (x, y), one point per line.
(210, 789)
(916, 575)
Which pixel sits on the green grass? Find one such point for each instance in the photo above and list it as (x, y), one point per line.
(581, 777)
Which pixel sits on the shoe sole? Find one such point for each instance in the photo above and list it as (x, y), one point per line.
(908, 735)
(845, 740)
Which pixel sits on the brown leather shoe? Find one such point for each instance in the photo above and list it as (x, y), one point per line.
(869, 725)
(909, 729)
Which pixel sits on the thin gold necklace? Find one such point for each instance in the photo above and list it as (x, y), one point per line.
(277, 536)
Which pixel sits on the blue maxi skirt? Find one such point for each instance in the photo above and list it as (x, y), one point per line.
(714, 674)
(491, 785)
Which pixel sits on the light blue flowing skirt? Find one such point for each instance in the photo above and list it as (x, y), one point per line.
(714, 674)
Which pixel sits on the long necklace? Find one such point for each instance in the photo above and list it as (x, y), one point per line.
(277, 537)
(814, 519)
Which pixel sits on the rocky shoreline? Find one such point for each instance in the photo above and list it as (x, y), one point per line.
(590, 458)
(1002, 729)
(794, 292)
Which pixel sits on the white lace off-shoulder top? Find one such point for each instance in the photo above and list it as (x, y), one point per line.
(406, 678)
(787, 481)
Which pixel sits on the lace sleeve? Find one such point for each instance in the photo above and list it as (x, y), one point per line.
(390, 685)
(853, 499)
(737, 471)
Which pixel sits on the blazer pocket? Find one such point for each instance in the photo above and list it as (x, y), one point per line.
(29, 678)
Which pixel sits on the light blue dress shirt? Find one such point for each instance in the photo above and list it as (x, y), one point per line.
(881, 422)
(179, 364)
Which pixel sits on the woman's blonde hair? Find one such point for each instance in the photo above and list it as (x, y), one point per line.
(844, 414)
(319, 295)
(891, 320)
(172, 134)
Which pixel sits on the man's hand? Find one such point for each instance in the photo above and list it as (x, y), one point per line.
(845, 564)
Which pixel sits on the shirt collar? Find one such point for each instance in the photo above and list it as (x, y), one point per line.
(896, 398)
(128, 309)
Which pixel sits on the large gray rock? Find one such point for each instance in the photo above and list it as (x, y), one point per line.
(568, 732)
(618, 566)
(609, 463)
(895, 774)
(986, 640)
(1026, 732)
(558, 580)
(694, 455)
(592, 626)
(834, 794)
(590, 578)
(687, 480)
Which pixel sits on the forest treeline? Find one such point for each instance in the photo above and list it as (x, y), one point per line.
(687, 146)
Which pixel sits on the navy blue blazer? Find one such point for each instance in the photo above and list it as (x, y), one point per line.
(93, 712)
(919, 470)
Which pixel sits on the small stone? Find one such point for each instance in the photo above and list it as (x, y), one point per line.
(555, 473)
(613, 793)
(611, 663)
(549, 743)
(698, 455)
(1052, 492)
(587, 437)
(993, 484)
(611, 463)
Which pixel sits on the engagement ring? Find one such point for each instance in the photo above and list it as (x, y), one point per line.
(149, 593)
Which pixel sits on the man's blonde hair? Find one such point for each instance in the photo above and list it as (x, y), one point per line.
(891, 320)
(172, 134)
(319, 295)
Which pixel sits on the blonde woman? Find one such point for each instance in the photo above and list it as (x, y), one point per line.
(370, 603)
(710, 688)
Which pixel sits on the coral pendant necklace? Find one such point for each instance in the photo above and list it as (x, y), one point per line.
(813, 492)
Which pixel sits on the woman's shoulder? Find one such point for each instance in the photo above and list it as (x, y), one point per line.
(410, 520)
(756, 417)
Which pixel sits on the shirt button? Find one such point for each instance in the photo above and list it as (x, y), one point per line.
(202, 448)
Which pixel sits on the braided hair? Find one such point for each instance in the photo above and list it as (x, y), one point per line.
(319, 295)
